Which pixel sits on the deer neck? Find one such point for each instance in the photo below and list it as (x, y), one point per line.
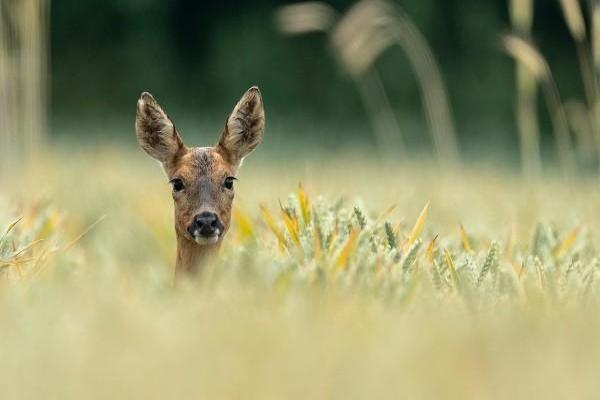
(191, 257)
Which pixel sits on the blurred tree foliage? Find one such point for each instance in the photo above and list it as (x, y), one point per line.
(199, 56)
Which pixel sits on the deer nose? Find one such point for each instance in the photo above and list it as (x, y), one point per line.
(205, 224)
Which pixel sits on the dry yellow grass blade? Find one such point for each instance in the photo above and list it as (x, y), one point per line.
(81, 236)
(418, 228)
(384, 214)
(291, 223)
(304, 204)
(244, 223)
(270, 221)
(465, 240)
(451, 267)
(15, 262)
(566, 243)
(431, 249)
(332, 241)
(342, 260)
(10, 228)
(24, 249)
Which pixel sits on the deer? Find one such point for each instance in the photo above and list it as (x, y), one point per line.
(201, 178)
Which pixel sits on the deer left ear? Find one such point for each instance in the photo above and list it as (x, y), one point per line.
(245, 127)
(155, 131)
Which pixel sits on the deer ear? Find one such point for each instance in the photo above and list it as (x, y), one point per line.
(245, 127)
(155, 132)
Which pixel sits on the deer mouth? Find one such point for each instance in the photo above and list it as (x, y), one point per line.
(204, 239)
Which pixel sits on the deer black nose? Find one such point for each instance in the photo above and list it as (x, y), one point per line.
(205, 224)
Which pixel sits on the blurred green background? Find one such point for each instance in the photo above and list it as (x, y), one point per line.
(197, 57)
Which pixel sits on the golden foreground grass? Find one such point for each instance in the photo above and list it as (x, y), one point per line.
(351, 288)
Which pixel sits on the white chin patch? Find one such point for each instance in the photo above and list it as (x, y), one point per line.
(206, 239)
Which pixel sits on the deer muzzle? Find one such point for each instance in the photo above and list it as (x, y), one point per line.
(206, 228)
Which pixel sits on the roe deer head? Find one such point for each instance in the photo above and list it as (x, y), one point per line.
(202, 178)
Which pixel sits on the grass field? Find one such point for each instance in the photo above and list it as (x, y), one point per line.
(362, 284)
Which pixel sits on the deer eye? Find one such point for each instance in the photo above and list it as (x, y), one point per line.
(177, 184)
(229, 182)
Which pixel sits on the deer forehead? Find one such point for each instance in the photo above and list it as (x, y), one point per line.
(199, 162)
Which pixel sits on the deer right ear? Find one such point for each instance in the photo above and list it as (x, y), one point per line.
(155, 132)
(244, 128)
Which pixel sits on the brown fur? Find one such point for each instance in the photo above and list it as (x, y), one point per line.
(202, 169)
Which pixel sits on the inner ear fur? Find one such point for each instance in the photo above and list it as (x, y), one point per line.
(244, 129)
(155, 131)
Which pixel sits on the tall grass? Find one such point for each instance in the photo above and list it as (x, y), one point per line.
(358, 38)
(24, 27)
(521, 16)
(309, 238)
(370, 27)
(576, 123)
(530, 57)
(354, 295)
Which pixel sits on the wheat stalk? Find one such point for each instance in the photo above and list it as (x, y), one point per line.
(523, 51)
(491, 261)
(359, 37)
(574, 18)
(23, 70)
(371, 27)
(521, 16)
